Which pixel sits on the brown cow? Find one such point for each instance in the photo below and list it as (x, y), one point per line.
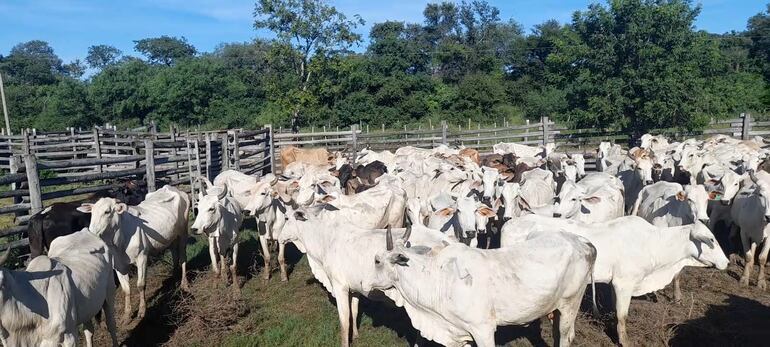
(314, 156)
(471, 153)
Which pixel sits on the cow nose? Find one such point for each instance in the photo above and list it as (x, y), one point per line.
(194, 230)
(557, 215)
(648, 182)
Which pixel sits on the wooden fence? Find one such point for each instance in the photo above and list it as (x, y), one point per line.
(43, 167)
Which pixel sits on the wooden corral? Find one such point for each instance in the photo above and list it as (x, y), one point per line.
(46, 166)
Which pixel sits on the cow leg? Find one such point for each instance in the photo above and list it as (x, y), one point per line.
(677, 288)
(484, 336)
(223, 268)
(108, 310)
(565, 322)
(749, 257)
(234, 269)
(762, 260)
(622, 303)
(343, 311)
(88, 332)
(68, 340)
(141, 270)
(354, 313)
(265, 256)
(282, 261)
(125, 286)
(182, 249)
(213, 256)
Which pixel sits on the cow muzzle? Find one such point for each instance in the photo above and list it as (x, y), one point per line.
(556, 215)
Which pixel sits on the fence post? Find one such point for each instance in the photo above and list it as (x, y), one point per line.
(443, 132)
(197, 154)
(193, 196)
(746, 128)
(97, 149)
(354, 137)
(225, 154)
(74, 143)
(33, 180)
(236, 149)
(149, 162)
(544, 121)
(209, 165)
(174, 152)
(271, 147)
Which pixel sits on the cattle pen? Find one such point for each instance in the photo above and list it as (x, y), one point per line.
(40, 167)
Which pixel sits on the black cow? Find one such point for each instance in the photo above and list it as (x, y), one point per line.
(63, 218)
(360, 178)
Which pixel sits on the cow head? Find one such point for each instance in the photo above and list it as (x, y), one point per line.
(259, 198)
(643, 165)
(762, 190)
(570, 172)
(697, 198)
(315, 188)
(387, 261)
(730, 184)
(704, 248)
(105, 216)
(573, 199)
(490, 178)
(580, 164)
(604, 150)
(473, 215)
(296, 220)
(510, 192)
(209, 211)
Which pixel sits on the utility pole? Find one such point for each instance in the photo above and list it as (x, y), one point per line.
(5, 108)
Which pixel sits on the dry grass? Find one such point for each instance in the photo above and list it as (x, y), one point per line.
(716, 311)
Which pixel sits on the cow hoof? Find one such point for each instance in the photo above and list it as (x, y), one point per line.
(744, 281)
(761, 284)
(284, 278)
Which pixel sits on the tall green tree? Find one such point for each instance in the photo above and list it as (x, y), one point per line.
(165, 50)
(101, 56)
(633, 64)
(305, 29)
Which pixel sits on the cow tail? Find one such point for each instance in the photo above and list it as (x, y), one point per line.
(593, 295)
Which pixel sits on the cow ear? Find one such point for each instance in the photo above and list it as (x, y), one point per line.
(85, 208)
(681, 196)
(498, 203)
(399, 259)
(486, 212)
(120, 208)
(326, 199)
(592, 200)
(446, 212)
(300, 216)
(294, 184)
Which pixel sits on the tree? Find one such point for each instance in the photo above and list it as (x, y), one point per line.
(634, 65)
(307, 28)
(165, 50)
(32, 62)
(101, 56)
(74, 69)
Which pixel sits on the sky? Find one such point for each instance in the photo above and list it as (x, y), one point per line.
(71, 26)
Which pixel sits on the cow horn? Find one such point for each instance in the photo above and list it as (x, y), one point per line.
(6, 255)
(753, 176)
(388, 240)
(407, 233)
(222, 194)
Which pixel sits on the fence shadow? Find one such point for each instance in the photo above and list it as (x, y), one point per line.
(738, 321)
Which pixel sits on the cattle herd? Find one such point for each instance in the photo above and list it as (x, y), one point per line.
(463, 242)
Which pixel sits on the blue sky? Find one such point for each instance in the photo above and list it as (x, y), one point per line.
(70, 26)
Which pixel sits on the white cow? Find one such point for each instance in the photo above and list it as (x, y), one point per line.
(523, 150)
(750, 214)
(634, 256)
(666, 204)
(590, 200)
(159, 222)
(220, 218)
(452, 297)
(464, 218)
(45, 304)
(535, 191)
(337, 254)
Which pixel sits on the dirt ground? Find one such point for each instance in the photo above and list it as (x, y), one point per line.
(715, 311)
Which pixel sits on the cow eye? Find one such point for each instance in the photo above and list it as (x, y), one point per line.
(107, 212)
(262, 193)
(211, 209)
(377, 261)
